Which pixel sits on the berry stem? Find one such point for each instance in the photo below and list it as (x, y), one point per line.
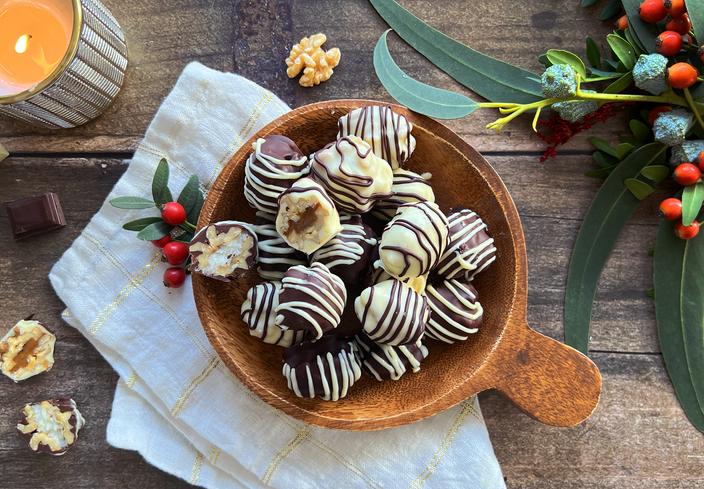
(187, 226)
(670, 98)
(535, 119)
(693, 106)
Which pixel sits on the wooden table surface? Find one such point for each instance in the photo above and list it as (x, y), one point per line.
(637, 438)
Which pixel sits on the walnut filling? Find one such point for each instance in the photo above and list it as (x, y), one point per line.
(27, 350)
(302, 220)
(224, 252)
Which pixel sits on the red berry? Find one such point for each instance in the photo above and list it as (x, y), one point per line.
(174, 277)
(687, 174)
(675, 8)
(176, 252)
(671, 209)
(682, 75)
(687, 232)
(173, 213)
(681, 24)
(622, 23)
(656, 111)
(652, 11)
(668, 43)
(160, 243)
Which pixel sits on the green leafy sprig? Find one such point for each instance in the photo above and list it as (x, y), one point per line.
(154, 228)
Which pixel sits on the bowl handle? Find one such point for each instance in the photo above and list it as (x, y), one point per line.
(548, 380)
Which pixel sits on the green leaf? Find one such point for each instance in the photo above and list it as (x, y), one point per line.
(638, 188)
(621, 84)
(160, 184)
(656, 173)
(698, 92)
(643, 33)
(602, 172)
(610, 210)
(628, 35)
(610, 10)
(194, 212)
(562, 57)
(588, 3)
(131, 203)
(692, 198)
(139, 224)
(603, 145)
(191, 198)
(417, 96)
(543, 60)
(593, 53)
(695, 10)
(154, 231)
(623, 149)
(490, 78)
(623, 50)
(603, 159)
(639, 129)
(678, 297)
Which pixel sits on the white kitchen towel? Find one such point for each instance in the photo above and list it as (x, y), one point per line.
(176, 403)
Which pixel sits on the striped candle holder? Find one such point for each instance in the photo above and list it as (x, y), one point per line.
(86, 81)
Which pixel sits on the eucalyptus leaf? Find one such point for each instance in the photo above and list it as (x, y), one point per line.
(628, 35)
(194, 212)
(621, 84)
(656, 173)
(639, 129)
(638, 188)
(695, 10)
(614, 65)
(154, 231)
(593, 53)
(139, 224)
(190, 196)
(131, 203)
(587, 3)
(602, 159)
(643, 33)
(610, 10)
(698, 92)
(623, 149)
(623, 50)
(603, 145)
(490, 78)
(417, 96)
(608, 213)
(692, 198)
(602, 172)
(677, 269)
(562, 57)
(543, 60)
(604, 73)
(160, 184)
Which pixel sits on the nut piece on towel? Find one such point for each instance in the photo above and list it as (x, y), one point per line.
(273, 166)
(308, 56)
(386, 131)
(224, 250)
(258, 313)
(27, 350)
(51, 426)
(326, 369)
(307, 217)
(354, 177)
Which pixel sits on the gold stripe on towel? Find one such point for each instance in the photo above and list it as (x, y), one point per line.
(183, 398)
(195, 471)
(300, 437)
(131, 380)
(214, 456)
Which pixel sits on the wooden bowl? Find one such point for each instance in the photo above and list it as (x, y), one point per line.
(548, 380)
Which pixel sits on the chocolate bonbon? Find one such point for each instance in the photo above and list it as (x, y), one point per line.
(326, 369)
(407, 187)
(387, 132)
(392, 313)
(312, 299)
(354, 177)
(258, 313)
(455, 311)
(31, 216)
(386, 362)
(307, 217)
(470, 249)
(223, 250)
(348, 254)
(378, 275)
(275, 255)
(414, 240)
(51, 426)
(275, 163)
(27, 350)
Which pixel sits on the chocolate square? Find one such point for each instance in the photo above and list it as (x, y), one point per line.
(31, 216)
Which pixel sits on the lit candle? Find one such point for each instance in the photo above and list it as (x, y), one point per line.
(62, 62)
(34, 38)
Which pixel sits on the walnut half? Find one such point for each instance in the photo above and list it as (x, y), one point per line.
(308, 56)
(27, 350)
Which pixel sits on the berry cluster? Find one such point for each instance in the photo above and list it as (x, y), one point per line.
(175, 252)
(685, 174)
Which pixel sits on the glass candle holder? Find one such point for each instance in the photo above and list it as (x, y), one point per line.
(62, 62)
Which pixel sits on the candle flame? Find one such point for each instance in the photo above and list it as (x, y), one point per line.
(22, 43)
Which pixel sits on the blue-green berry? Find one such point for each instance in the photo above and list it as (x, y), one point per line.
(650, 73)
(687, 151)
(670, 128)
(575, 110)
(559, 81)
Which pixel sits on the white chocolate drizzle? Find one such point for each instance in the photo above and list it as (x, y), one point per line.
(386, 362)
(470, 249)
(259, 316)
(346, 248)
(455, 312)
(275, 255)
(407, 187)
